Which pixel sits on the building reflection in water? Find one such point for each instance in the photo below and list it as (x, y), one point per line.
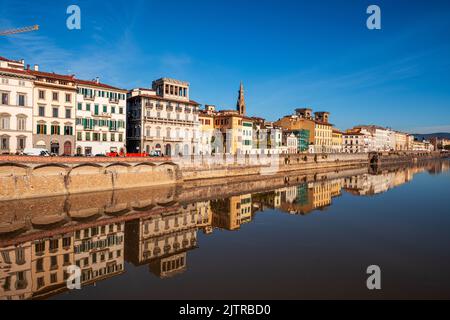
(38, 243)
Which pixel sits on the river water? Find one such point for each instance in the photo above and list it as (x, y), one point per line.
(304, 240)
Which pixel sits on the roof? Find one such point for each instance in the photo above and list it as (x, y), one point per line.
(171, 80)
(100, 85)
(192, 102)
(323, 123)
(9, 60)
(52, 75)
(353, 134)
(23, 72)
(202, 113)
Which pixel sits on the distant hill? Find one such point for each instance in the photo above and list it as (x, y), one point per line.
(440, 135)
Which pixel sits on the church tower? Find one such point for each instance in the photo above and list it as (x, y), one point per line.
(241, 101)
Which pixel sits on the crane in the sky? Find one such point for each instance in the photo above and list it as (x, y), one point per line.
(19, 30)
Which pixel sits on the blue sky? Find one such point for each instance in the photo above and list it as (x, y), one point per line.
(289, 54)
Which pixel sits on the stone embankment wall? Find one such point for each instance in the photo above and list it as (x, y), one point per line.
(232, 166)
(34, 177)
(52, 178)
(390, 158)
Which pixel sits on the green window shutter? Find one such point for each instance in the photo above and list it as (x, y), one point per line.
(96, 109)
(45, 129)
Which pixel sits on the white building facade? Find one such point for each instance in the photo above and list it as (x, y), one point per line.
(16, 107)
(163, 119)
(100, 118)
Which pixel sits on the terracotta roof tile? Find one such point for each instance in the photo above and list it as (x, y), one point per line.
(95, 84)
(51, 75)
(24, 72)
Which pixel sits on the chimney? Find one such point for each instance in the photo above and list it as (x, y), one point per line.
(28, 67)
(22, 61)
(36, 67)
(97, 80)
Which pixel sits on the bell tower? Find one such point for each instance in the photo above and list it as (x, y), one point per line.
(241, 101)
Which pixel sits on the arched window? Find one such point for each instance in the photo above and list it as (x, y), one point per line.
(158, 132)
(21, 123)
(168, 133)
(4, 143)
(5, 121)
(148, 131)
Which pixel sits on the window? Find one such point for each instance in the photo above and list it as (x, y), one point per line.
(121, 110)
(68, 130)
(113, 110)
(104, 137)
(120, 137)
(55, 96)
(54, 245)
(5, 98)
(80, 106)
(21, 100)
(40, 265)
(88, 136)
(55, 112)
(5, 81)
(88, 107)
(55, 129)
(21, 143)
(113, 137)
(158, 132)
(4, 122)
(4, 143)
(40, 247)
(68, 113)
(105, 109)
(66, 259)
(41, 111)
(41, 128)
(42, 94)
(96, 109)
(68, 97)
(79, 136)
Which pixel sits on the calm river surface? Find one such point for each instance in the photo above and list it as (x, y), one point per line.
(304, 241)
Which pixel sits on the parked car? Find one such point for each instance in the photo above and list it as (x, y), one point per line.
(37, 152)
(155, 154)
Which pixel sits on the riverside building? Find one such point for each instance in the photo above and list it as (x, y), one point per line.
(100, 118)
(16, 107)
(163, 119)
(54, 111)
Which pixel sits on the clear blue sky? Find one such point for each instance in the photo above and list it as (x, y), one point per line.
(289, 54)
